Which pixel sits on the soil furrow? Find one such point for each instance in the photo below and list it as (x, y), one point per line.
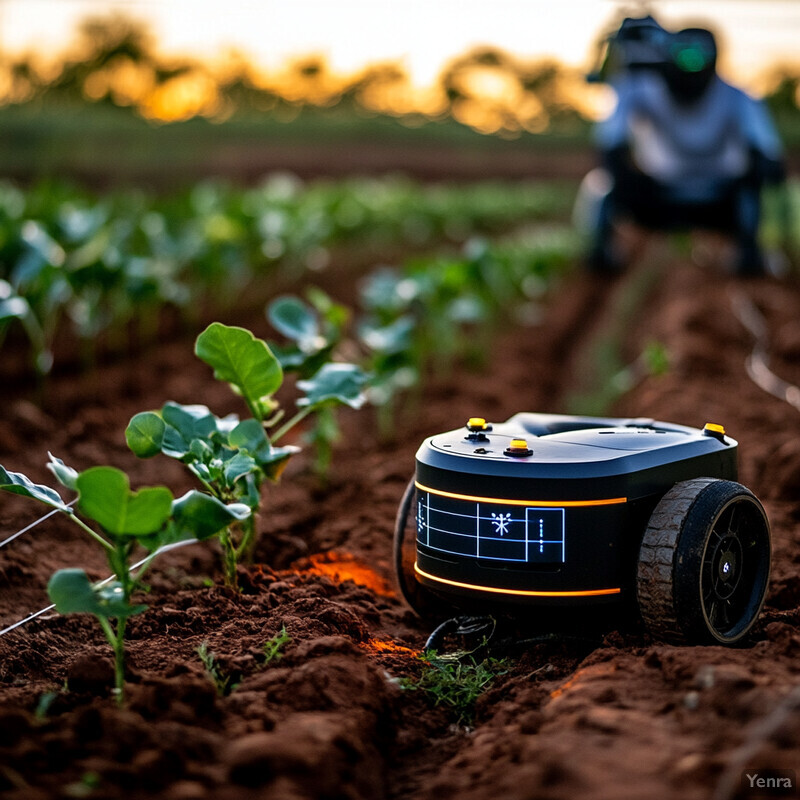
(627, 717)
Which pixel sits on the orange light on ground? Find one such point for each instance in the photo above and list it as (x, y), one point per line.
(388, 647)
(594, 670)
(341, 567)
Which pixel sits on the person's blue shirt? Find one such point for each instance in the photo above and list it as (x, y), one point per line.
(689, 147)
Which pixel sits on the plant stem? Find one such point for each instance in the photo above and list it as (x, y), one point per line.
(244, 551)
(136, 579)
(287, 426)
(96, 536)
(117, 642)
(254, 410)
(211, 489)
(229, 558)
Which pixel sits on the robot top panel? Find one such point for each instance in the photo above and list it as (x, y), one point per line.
(540, 439)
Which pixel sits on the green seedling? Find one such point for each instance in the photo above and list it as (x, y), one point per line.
(314, 331)
(14, 307)
(273, 647)
(88, 784)
(456, 684)
(392, 363)
(233, 458)
(656, 358)
(46, 699)
(120, 521)
(223, 682)
(106, 265)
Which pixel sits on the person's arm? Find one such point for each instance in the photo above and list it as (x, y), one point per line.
(612, 135)
(766, 150)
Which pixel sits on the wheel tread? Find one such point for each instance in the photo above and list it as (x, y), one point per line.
(656, 560)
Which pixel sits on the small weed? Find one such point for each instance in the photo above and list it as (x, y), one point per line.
(42, 710)
(457, 684)
(85, 787)
(272, 647)
(656, 358)
(223, 683)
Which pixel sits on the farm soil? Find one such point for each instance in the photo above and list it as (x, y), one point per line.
(610, 713)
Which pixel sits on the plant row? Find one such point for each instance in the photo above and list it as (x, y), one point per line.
(413, 319)
(97, 264)
(231, 459)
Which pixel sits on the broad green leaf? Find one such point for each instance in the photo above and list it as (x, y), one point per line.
(192, 422)
(106, 497)
(238, 466)
(294, 319)
(202, 471)
(200, 516)
(241, 360)
(17, 483)
(381, 291)
(73, 593)
(304, 364)
(66, 476)
(201, 450)
(174, 445)
(393, 338)
(334, 383)
(145, 434)
(249, 435)
(183, 425)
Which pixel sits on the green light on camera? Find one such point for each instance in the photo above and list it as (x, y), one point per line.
(690, 60)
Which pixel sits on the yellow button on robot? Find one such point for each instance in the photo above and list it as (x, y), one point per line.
(518, 447)
(476, 424)
(715, 430)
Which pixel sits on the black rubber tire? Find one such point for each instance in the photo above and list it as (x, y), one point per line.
(704, 563)
(425, 603)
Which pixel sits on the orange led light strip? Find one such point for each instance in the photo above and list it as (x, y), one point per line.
(610, 501)
(518, 592)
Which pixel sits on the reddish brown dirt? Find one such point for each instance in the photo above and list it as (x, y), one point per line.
(620, 717)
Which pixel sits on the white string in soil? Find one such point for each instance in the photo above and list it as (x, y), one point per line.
(33, 524)
(138, 564)
(757, 364)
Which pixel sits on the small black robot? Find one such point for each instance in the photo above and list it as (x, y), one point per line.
(544, 512)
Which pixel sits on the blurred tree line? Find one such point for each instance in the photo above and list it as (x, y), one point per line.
(115, 61)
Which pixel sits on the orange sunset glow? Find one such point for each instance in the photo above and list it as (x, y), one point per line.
(474, 61)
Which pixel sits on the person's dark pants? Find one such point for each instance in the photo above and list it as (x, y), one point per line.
(734, 211)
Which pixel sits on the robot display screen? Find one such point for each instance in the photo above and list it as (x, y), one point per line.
(491, 530)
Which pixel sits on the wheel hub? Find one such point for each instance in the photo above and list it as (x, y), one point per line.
(728, 561)
(727, 566)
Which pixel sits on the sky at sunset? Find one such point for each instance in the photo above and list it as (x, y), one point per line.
(420, 34)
